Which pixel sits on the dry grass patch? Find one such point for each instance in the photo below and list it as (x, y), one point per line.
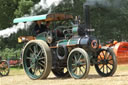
(18, 77)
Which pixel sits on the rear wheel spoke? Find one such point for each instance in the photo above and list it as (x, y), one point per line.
(75, 58)
(73, 64)
(34, 70)
(31, 66)
(42, 58)
(31, 50)
(74, 69)
(35, 50)
(82, 63)
(42, 65)
(43, 62)
(39, 53)
(80, 58)
(81, 70)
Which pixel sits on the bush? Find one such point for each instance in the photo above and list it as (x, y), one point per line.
(10, 53)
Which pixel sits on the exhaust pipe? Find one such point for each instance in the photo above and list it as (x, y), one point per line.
(84, 29)
(87, 16)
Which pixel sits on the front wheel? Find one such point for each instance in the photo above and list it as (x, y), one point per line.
(78, 63)
(106, 62)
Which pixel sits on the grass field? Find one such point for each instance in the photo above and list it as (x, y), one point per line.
(16, 71)
(18, 77)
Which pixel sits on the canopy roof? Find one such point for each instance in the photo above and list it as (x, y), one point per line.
(45, 17)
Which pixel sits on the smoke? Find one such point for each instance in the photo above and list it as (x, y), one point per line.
(14, 29)
(43, 4)
(104, 3)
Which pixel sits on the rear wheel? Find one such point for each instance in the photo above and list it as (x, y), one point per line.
(106, 62)
(37, 59)
(78, 63)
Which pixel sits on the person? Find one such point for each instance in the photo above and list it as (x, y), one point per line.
(0, 58)
(47, 26)
(39, 28)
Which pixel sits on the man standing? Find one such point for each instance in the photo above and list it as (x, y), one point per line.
(39, 28)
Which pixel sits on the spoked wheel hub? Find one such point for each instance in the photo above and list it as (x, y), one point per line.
(104, 62)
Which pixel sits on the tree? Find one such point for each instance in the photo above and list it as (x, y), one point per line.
(7, 8)
(23, 7)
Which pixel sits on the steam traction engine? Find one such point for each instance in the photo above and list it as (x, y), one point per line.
(71, 55)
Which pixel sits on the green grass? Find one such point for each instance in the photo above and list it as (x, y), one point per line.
(16, 71)
(122, 67)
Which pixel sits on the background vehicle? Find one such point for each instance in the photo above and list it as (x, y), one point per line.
(120, 49)
(4, 68)
(70, 54)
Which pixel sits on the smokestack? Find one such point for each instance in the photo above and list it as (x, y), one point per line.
(84, 29)
(87, 16)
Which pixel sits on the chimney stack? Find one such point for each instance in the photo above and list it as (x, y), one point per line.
(87, 16)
